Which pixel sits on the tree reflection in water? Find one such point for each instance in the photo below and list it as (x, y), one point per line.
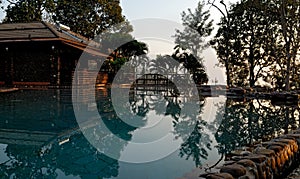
(168, 102)
(28, 156)
(237, 123)
(75, 158)
(249, 121)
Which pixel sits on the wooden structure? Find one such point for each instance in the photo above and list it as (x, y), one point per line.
(40, 53)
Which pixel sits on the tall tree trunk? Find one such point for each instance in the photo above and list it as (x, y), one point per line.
(251, 55)
(228, 80)
(287, 45)
(251, 63)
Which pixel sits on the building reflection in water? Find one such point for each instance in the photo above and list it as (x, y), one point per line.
(41, 139)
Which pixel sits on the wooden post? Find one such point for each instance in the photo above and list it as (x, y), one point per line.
(12, 70)
(9, 69)
(58, 82)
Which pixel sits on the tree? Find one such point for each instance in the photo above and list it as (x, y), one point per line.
(120, 45)
(124, 53)
(192, 41)
(260, 46)
(87, 18)
(228, 48)
(244, 123)
(247, 57)
(289, 21)
(197, 27)
(192, 64)
(253, 23)
(115, 36)
(27, 10)
(225, 49)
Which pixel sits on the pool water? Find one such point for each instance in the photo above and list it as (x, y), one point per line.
(40, 136)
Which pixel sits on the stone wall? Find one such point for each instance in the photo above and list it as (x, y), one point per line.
(272, 159)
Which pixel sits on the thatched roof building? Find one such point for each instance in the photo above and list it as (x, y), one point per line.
(40, 53)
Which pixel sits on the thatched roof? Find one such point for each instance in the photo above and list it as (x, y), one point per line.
(42, 31)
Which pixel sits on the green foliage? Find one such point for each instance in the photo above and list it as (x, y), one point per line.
(115, 36)
(256, 44)
(132, 48)
(192, 41)
(27, 10)
(287, 15)
(191, 63)
(87, 18)
(120, 44)
(122, 54)
(197, 27)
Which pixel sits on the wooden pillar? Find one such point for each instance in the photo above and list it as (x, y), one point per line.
(12, 69)
(9, 68)
(58, 82)
(52, 70)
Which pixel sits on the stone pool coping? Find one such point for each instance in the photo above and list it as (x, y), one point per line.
(272, 159)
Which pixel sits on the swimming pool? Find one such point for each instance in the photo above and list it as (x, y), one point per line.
(40, 136)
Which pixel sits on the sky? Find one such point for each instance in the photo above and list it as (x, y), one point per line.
(163, 11)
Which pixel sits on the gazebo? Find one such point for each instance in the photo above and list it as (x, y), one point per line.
(42, 54)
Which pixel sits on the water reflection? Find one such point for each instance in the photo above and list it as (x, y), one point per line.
(168, 102)
(75, 158)
(40, 138)
(244, 122)
(43, 141)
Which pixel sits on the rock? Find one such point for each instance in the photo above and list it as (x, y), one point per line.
(296, 138)
(220, 176)
(251, 169)
(275, 148)
(271, 160)
(282, 140)
(268, 160)
(238, 153)
(229, 162)
(290, 147)
(247, 163)
(295, 174)
(282, 152)
(257, 158)
(264, 151)
(266, 144)
(261, 164)
(235, 170)
(295, 142)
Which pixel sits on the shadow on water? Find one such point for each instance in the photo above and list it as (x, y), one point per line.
(39, 136)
